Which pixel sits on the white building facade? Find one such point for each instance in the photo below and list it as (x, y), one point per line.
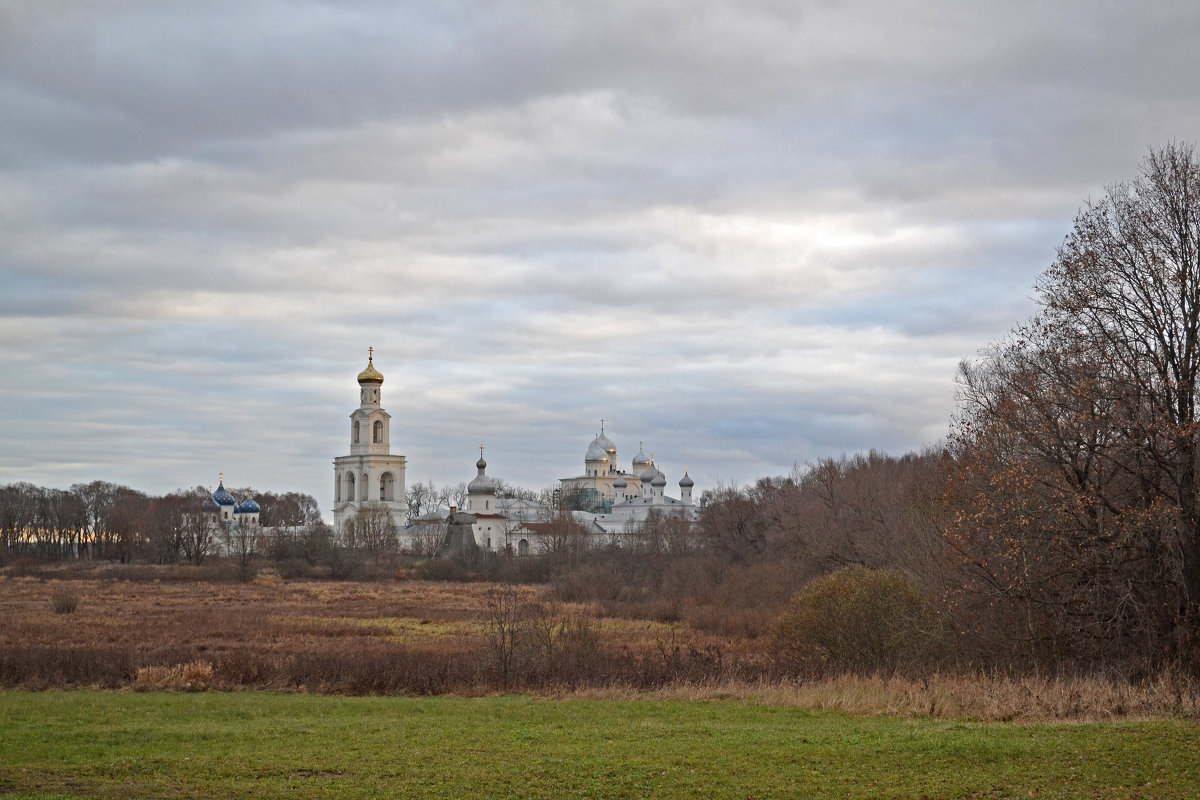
(370, 473)
(605, 500)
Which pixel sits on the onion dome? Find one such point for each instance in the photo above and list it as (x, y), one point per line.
(370, 374)
(247, 506)
(596, 451)
(659, 481)
(640, 461)
(482, 484)
(620, 483)
(608, 444)
(686, 482)
(648, 475)
(222, 497)
(209, 506)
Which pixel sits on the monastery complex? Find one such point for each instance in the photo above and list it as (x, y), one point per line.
(606, 500)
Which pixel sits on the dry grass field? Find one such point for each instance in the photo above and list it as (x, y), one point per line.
(342, 637)
(421, 638)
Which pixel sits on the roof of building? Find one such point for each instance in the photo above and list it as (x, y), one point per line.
(482, 484)
(640, 460)
(247, 506)
(370, 374)
(222, 497)
(595, 451)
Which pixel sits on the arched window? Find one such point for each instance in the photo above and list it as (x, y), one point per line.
(387, 486)
(377, 432)
(355, 440)
(350, 484)
(523, 547)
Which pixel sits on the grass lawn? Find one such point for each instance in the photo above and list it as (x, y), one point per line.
(96, 744)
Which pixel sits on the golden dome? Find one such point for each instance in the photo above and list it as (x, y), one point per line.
(370, 374)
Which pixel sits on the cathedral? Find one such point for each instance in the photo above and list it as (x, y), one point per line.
(606, 500)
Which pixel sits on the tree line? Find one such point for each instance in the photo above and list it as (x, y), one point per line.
(1059, 523)
(107, 521)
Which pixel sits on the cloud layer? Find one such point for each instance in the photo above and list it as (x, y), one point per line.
(749, 234)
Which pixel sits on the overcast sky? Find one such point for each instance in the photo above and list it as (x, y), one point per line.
(749, 234)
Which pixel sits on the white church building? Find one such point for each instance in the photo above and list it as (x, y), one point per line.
(606, 500)
(370, 473)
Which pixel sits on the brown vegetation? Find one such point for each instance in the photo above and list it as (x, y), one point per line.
(415, 637)
(396, 637)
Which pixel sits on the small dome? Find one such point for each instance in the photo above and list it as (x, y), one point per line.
(596, 451)
(209, 505)
(686, 482)
(222, 497)
(648, 475)
(619, 483)
(660, 480)
(370, 374)
(247, 506)
(482, 484)
(640, 461)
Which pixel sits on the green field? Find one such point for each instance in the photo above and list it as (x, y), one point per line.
(94, 744)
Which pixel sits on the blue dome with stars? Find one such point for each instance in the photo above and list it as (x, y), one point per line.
(222, 497)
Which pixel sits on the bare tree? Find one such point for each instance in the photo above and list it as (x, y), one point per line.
(372, 529)
(420, 499)
(1077, 442)
(200, 528)
(427, 537)
(242, 545)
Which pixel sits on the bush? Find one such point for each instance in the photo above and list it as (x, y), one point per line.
(855, 620)
(442, 569)
(64, 601)
(194, 676)
(24, 567)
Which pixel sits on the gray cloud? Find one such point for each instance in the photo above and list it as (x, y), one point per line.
(749, 234)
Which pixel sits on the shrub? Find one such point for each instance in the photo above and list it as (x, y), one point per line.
(24, 567)
(442, 569)
(195, 676)
(855, 620)
(64, 601)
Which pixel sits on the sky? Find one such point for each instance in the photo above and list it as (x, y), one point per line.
(748, 234)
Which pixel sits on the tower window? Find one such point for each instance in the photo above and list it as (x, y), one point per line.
(377, 432)
(355, 439)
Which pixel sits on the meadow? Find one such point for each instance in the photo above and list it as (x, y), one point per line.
(250, 744)
(324, 689)
(408, 637)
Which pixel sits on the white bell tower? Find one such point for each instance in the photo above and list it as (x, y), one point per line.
(370, 474)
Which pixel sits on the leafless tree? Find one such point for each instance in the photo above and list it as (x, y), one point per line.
(372, 529)
(1077, 442)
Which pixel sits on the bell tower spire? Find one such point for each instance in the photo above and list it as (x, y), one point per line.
(370, 473)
